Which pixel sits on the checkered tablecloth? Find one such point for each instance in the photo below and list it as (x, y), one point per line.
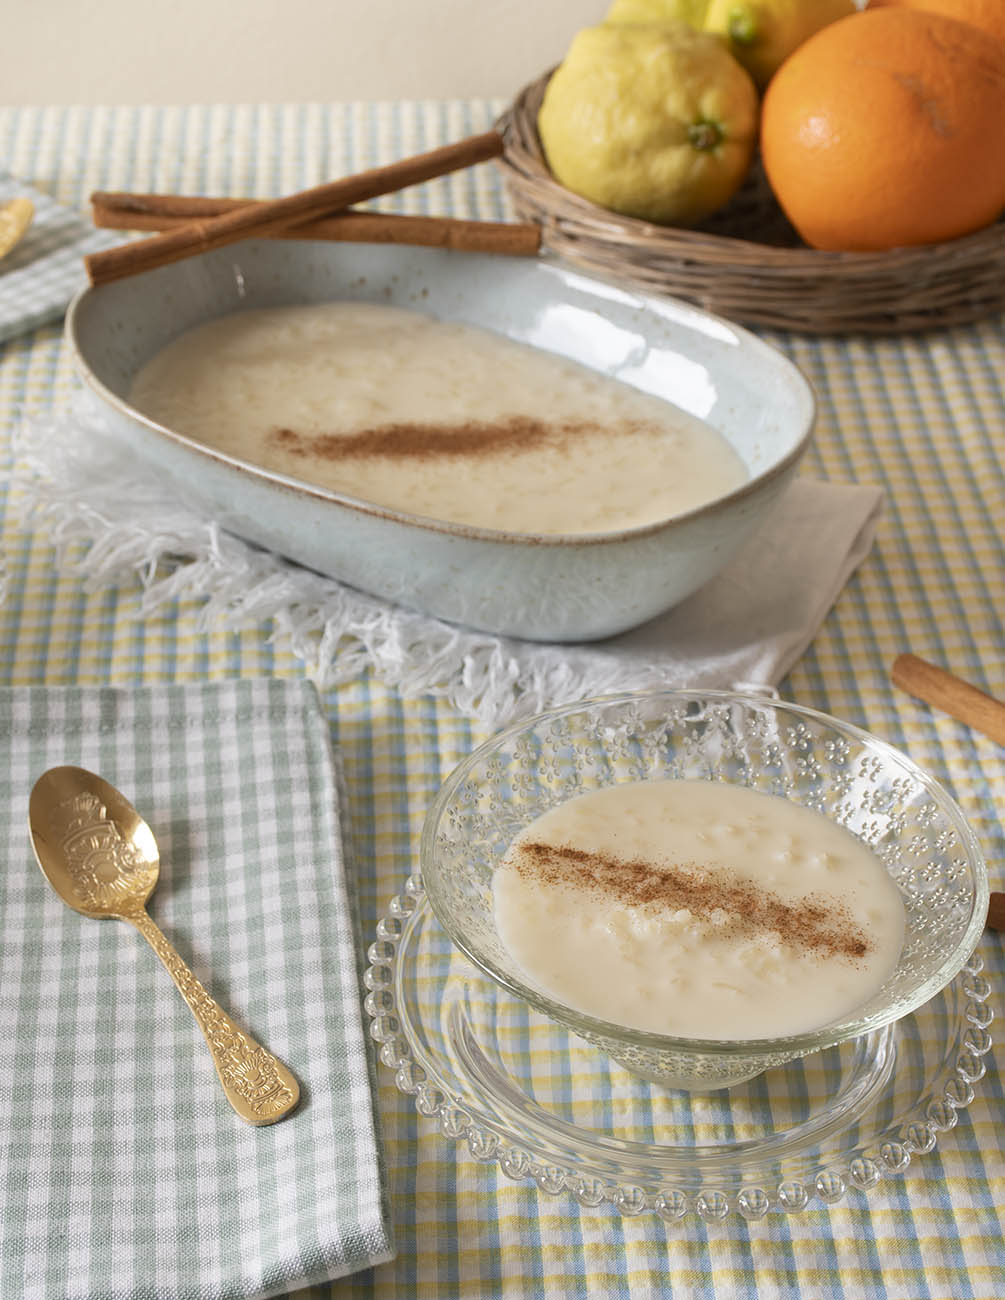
(920, 415)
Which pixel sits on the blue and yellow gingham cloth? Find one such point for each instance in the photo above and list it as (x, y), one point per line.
(919, 415)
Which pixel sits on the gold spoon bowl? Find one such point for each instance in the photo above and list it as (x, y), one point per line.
(101, 858)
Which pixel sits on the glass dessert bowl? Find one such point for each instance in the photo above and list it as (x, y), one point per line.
(909, 822)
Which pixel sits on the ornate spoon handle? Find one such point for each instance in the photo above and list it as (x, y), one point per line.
(258, 1086)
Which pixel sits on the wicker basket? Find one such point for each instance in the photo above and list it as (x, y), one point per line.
(746, 262)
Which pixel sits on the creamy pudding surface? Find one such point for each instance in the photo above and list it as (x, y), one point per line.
(698, 909)
(435, 418)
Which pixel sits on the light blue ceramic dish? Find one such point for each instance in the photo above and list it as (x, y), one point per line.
(545, 587)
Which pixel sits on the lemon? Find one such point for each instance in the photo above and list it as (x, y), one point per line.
(761, 34)
(658, 11)
(654, 121)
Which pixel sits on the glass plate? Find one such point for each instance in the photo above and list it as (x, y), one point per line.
(525, 1093)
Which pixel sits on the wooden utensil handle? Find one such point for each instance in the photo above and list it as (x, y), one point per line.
(957, 698)
(258, 1086)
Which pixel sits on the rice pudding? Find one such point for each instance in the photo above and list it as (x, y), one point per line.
(698, 909)
(435, 418)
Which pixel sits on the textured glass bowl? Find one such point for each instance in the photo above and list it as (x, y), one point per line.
(518, 1091)
(877, 793)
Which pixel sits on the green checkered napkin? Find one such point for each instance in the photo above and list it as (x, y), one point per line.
(43, 271)
(123, 1171)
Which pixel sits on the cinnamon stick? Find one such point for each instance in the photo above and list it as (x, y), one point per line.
(204, 234)
(957, 698)
(123, 211)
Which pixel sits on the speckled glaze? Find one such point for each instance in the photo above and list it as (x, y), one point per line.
(550, 588)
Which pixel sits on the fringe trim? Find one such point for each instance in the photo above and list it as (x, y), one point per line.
(110, 525)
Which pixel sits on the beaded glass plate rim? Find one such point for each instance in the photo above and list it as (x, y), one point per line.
(882, 1157)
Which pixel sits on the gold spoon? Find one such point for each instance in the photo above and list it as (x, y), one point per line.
(15, 218)
(101, 858)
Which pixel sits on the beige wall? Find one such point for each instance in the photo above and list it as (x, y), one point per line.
(223, 51)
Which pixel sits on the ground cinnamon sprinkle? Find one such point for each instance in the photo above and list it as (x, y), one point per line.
(427, 441)
(811, 924)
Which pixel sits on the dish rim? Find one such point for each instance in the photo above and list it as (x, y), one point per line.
(801, 386)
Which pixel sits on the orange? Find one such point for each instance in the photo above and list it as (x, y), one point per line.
(887, 129)
(987, 14)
